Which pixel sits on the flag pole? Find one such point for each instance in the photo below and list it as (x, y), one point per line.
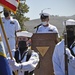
(1, 23)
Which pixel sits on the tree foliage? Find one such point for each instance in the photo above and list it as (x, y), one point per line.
(20, 14)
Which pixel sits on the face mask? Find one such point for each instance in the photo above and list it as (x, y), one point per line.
(45, 23)
(70, 34)
(22, 45)
(6, 14)
(70, 37)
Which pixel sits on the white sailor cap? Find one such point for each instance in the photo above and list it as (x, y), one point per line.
(70, 22)
(44, 14)
(24, 33)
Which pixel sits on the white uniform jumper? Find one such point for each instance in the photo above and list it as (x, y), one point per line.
(29, 65)
(58, 61)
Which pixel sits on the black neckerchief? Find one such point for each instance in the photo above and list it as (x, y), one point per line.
(23, 54)
(72, 46)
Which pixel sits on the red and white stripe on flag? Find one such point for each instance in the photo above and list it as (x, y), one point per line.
(10, 4)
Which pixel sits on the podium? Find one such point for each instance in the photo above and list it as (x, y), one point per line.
(44, 43)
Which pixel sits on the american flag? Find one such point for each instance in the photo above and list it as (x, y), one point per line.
(10, 4)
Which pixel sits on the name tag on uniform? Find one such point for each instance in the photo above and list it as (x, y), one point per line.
(12, 22)
(50, 30)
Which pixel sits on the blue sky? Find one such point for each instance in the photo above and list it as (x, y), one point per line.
(58, 7)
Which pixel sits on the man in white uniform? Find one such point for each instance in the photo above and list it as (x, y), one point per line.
(25, 61)
(11, 26)
(45, 27)
(58, 55)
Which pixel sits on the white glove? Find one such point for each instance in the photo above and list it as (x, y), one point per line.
(11, 61)
(70, 56)
(15, 66)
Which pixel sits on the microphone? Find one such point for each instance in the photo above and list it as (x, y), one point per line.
(37, 26)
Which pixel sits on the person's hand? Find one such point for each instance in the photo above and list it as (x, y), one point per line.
(11, 61)
(14, 65)
(68, 52)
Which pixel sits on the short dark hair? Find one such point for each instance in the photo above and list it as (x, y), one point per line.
(6, 11)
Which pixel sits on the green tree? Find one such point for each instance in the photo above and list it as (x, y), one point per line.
(20, 14)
